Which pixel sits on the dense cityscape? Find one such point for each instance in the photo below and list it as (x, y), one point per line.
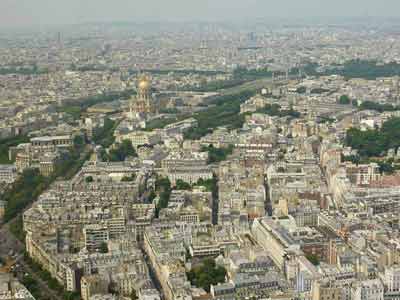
(196, 161)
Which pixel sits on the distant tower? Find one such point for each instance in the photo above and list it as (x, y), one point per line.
(59, 41)
(143, 104)
(398, 90)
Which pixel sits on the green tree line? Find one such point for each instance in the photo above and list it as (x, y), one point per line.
(30, 184)
(275, 110)
(25, 190)
(104, 136)
(226, 112)
(163, 188)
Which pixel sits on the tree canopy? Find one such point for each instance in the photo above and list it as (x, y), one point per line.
(163, 187)
(182, 185)
(313, 259)
(344, 99)
(6, 143)
(217, 154)
(369, 105)
(122, 151)
(275, 110)
(375, 142)
(105, 135)
(78, 106)
(23, 191)
(207, 274)
(225, 112)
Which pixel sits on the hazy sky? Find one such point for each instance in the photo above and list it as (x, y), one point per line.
(26, 12)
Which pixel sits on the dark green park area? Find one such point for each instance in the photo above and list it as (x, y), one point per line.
(104, 136)
(367, 69)
(356, 68)
(373, 144)
(224, 111)
(217, 154)
(120, 152)
(5, 144)
(207, 274)
(22, 70)
(77, 107)
(275, 110)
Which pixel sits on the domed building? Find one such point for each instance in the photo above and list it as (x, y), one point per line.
(143, 103)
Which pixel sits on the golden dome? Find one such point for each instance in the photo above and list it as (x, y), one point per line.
(144, 83)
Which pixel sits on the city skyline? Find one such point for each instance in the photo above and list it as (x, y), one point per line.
(199, 150)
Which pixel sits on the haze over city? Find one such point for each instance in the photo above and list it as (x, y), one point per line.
(41, 12)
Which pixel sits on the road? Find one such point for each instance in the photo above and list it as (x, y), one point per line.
(254, 85)
(10, 246)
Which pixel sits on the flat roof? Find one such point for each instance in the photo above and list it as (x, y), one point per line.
(50, 138)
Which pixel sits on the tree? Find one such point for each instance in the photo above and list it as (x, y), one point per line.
(105, 135)
(319, 91)
(375, 142)
(6, 143)
(386, 167)
(344, 100)
(209, 184)
(367, 69)
(224, 111)
(152, 196)
(128, 178)
(207, 274)
(122, 151)
(71, 295)
(163, 184)
(103, 247)
(24, 191)
(217, 154)
(369, 105)
(275, 110)
(89, 179)
(169, 111)
(301, 90)
(252, 74)
(355, 159)
(134, 295)
(182, 185)
(313, 259)
(163, 187)
(79, 141)
(77, 107)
